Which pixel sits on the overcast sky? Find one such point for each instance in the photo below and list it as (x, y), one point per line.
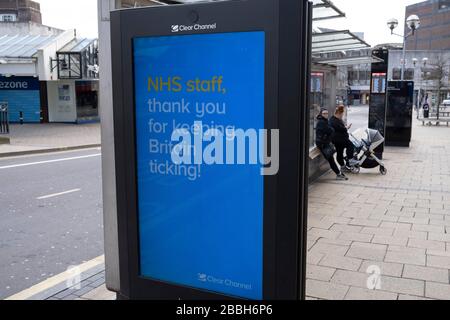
(71, 14)
(368, 16)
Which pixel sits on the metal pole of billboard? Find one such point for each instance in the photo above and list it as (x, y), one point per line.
(108, 162)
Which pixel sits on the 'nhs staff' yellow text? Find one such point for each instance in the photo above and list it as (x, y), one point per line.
(175, 84)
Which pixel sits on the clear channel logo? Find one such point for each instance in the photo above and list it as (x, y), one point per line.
(196, 27)
(202, 277)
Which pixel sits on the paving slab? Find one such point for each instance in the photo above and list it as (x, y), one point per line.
(359, 294)
(399, 223)
(426, 273)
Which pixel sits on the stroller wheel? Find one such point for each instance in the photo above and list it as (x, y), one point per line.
(383, 170)
(356, 170)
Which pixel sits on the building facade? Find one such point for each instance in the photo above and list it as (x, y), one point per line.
(46, 74)
(20, 11)
(434, 31)
(49, 78)
(429, 69)
(23, 17)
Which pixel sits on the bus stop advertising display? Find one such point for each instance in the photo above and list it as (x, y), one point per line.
(378, 86)
(211, 200)
(199, 91)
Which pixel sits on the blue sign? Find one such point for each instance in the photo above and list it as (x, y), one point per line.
(200, 225)
(23, 97)
(19, 83)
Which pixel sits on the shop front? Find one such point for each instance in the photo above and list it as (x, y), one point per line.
(23, 97)
(72, 101)
(73, 98)
(49, 78)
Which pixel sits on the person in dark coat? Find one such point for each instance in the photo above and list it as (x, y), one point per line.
(324, 134)
(341, 139)
(426, 108)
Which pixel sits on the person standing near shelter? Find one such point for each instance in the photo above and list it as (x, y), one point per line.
(341, 139)
(426, 108)
(324, 135)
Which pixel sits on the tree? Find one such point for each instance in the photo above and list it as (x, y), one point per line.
(440, 74)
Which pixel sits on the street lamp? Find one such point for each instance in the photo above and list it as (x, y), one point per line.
(392, 23)
(413, 23)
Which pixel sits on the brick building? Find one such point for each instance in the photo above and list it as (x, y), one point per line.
(434, 32)
(20, 11)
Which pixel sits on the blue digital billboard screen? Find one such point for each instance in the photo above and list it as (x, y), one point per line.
(200, 221)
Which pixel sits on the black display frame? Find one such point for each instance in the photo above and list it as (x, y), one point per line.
(378, 101)
(399, 116)
(287, 25)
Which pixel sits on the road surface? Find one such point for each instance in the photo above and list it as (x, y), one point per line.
(359, 117)
(51, 216)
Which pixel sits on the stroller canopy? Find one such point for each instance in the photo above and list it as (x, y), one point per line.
(374, 138)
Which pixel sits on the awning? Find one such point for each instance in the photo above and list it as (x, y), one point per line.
(347, 61)
(334, 41)
(322, 9)
(325, 9)
(76, 45)
(21, 46)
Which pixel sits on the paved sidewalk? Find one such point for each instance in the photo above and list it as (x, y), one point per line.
(92, 288)
(29, 138)
(397, 226)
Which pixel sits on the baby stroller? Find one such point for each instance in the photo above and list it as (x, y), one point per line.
(365, 156)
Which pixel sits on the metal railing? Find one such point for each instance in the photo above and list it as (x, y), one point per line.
(4, 122)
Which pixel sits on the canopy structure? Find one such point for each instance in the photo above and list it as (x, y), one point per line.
(78, 59)
(22, 47)
(347, 61)
(334, 41)
(322, 9)
(325, 9)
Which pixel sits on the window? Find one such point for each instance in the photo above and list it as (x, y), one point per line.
(69, 65)
(444, 4)
(87, 99)
(396, 74)
(8, 17)
(352, 75)
(409, 74)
